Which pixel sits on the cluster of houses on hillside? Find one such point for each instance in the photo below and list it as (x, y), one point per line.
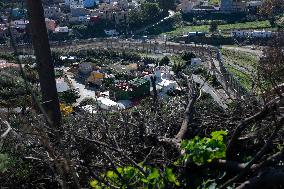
(66, 12)
(226, 6)
(114, 93)
(116, 11)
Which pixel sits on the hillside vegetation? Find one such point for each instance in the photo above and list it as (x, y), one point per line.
(223, 27)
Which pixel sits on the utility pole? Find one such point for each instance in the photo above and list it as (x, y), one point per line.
(45, 65)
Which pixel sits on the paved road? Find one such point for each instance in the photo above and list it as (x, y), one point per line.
(83, 91)
(219, 98)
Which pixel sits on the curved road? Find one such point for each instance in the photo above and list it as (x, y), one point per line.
(207, 88)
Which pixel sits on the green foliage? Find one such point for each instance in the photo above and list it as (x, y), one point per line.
(164, 4)
(213, 27)
(129, 56)
(150, 10)
(8, 57)
(214, 81)
(69, 97)
(108, 82)
(204, 150)
(88, 101)
(187, 56)
(198, 150)
(89, 31)
(148, 60)
(4, 162)
(214, 2)
(244, 79)
(224, 27)
(59, 73)
(99, 55)
(166, 26)
(56, 58)
(148, 14)
(242, 59)
(164, 61)
(31, 74)
(13, 166)
(12, 89)
(178, 67)
(132, 177)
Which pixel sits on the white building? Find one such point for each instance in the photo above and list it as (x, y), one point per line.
(85, 19)
(64, 29)
(111, 32)
(254, 3)
(61, 85)
(69, 58)
(81, 3)
(261, 34)
(52, 12)
(238, 33)
(22, 24)
(89, 108)
(255, 33)
(74, 4)
(163, 80)
(186, 6)
(107, 104)
(167, 85)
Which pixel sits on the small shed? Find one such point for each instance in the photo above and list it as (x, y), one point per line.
(62, 85)
(167, 85)
(85, 68)
(107, 104)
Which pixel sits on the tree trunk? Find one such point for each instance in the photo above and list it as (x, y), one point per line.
(44, 61)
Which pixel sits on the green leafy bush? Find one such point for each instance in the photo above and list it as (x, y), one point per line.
(4, 162)
(69, 97)
(132, 177)
(165, 61)
(204, 150)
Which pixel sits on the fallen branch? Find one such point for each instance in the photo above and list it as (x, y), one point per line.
(272, 160)
(187, 117)
(269, 179)
(278, 126)
(116, 150)
(242, 125)
(9, 128)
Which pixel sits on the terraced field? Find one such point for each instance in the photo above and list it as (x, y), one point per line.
(242, 65)
(225, 27)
